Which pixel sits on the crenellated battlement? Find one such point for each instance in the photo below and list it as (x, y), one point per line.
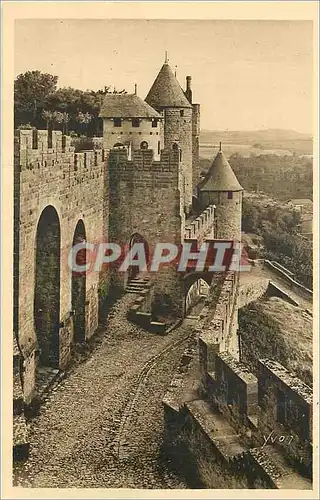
(202, 226)
(141, 171)
(215, 325)
(32, 152)
(43, 141)
(47, 172)
(143, 159)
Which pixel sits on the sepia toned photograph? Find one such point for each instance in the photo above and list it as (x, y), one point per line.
(163, 236)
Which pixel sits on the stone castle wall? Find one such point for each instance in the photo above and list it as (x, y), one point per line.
(195, 144)
(285, 404)
(228, 213)
(75, 185)
(235, 429)
(217, 325)
(145, 199)
(178, 129)
(133, 136)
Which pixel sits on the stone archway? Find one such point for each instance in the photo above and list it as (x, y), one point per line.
(144, 145)
(133, 271)
(195, 297)
(78, 287)
(47, 288)
(200, 280)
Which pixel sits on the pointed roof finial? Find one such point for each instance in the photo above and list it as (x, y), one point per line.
(220, 148)
(166, 60)
(135, 89)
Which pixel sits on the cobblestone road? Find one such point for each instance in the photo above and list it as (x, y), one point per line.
(75, 438)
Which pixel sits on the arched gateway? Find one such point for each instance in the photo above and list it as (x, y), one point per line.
(78, 287)
(133, 270)
(47, 288)
(195, 295)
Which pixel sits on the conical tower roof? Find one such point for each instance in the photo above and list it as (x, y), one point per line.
(166, 91)
(220, 176)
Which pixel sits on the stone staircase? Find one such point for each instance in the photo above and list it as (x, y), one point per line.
(139, 312)
(139, 286)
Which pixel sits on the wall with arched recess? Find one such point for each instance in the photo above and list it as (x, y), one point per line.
(188, 281)
(78, 287)
(133, 271)
(46, 309)
(75, 184)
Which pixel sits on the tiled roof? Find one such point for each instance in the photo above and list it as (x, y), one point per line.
(126, 106)
(166, 91)
(220, 176)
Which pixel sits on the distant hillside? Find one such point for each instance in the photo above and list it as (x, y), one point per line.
(258, 139)
(282, 177)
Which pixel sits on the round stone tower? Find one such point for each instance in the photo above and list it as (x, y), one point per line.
(221, 188)
(168, 98)
(129, 122)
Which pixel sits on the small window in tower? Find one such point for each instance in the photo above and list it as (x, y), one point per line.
(135, 122)
(158, 147)
(175, 146)
(154, 123)
(117, 122)
(181, 112)
(180, 154)
(230, 195)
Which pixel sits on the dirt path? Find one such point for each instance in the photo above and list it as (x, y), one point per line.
(257, 272)
(109, 403)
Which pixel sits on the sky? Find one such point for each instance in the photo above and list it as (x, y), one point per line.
(247, 75)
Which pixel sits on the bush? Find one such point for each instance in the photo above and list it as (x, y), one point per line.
(277, 225)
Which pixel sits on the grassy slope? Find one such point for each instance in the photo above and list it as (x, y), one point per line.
(275, 329)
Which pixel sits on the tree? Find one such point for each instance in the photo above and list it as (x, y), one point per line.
(282, 177)
(65, 99)
(62, 119)
(250, 217)
(278, 227)
(84, 119)
(40, 103)
(31, 89)
(47, 115)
